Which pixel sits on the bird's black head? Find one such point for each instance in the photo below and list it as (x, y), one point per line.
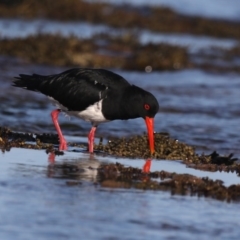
(150, 106)
(142, 103)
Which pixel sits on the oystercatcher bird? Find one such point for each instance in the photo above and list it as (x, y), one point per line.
(94, 95)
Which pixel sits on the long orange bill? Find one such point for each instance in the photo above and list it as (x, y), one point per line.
(150, 126)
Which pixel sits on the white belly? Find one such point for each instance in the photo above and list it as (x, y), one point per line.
(91, 114)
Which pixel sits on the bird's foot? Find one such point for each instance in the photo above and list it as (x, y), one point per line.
(90, 149)
(90, 145)
(63, 144)
(91, 139)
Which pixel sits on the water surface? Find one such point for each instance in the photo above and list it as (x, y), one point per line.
(13, 28)
(221, 9)
(37, 204)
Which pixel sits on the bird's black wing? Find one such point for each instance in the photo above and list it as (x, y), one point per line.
(75, 89)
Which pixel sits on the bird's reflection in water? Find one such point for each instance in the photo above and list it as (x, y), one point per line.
(74, 169)
(147, 166)
(92, 170)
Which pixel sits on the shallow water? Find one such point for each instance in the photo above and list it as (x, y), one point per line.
(37, 203)
(214, 9)
(12, 28)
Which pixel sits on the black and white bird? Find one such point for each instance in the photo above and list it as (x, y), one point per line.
(94, 95)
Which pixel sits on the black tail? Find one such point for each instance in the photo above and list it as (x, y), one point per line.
(29, 82)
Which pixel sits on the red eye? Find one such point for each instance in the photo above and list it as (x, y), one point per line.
(146, 106)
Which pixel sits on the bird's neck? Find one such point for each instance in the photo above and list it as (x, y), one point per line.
(117, 106)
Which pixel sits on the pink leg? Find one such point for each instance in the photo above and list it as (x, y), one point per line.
(63, 142)
(91, 139)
